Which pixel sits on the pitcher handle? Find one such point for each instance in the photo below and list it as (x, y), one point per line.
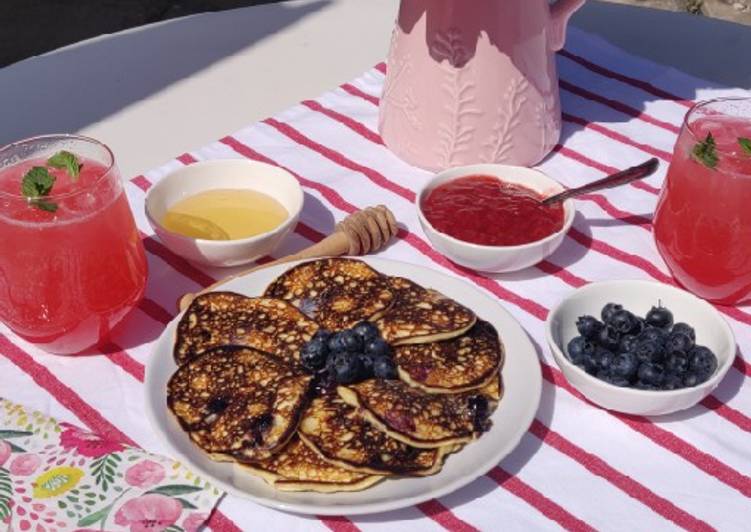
(560, 13)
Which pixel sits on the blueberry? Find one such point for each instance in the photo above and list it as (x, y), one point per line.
(604, 359)
(352, 341)
(645, 386)
(367, 363)
(623, 321)
(578, 347)
(384, 368)
(336, 342)
(590, 362)
(322, 335)
(647, 351)
(653, 334)
(691, 379)
(617, 381)
(589, 327)
(609, 338)
(624, 365)
(377, 347)
(659, 317)
(627, 344)
(345, 367)
(676, 363)
(639, 325)
(684, 328)
(678, 342)
(672, 381)
(608, 311)
(313, 354)
(650, 373)
(366, 330)
(702, 361)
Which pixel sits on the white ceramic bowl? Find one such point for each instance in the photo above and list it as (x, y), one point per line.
(638, 297)
(217, 174)
(496, 258)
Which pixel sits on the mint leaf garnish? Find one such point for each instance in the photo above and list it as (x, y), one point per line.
(44, 205)
(705, 151)
(745, 144)
(36, 184)
(67, 161)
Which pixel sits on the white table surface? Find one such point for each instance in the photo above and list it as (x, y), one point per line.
(156, 91)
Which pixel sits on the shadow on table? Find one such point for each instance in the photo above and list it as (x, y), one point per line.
(642, 32)
(105, 76)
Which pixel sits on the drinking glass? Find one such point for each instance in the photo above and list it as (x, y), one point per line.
(702, 224)
(72, 263)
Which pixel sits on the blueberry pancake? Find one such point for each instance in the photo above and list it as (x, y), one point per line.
(236, 400)
(226, 318)
(457, 365)
(298, 468)
(418, 418)
(337, 293)
(342, 437)
(420, 315)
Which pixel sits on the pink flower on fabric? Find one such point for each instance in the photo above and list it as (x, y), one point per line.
(144, 474)
(86, 443)
(194, 521)
(24, 465)
(4, 452)
(149, 513)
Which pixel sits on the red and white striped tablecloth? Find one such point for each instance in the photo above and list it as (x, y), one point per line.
(578, 467)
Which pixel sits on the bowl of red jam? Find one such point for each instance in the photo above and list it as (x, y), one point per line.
(489, 217)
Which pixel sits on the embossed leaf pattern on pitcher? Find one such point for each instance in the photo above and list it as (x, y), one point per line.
(457, 125)
(501, 143)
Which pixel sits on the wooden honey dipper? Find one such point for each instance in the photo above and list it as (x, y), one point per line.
(360, 233)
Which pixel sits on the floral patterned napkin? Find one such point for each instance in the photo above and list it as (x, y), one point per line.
(56, 476)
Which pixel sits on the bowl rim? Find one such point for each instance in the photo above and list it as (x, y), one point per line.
(569, 208)
(291, 218)
(562, 360)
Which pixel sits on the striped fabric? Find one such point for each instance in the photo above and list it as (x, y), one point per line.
(578, 467)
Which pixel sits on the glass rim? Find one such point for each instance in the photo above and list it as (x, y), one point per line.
(703, 103)
(63, 136)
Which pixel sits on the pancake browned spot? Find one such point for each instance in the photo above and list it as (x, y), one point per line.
(342, 437)
(420, 315)
(238, 400)
(457, 365)
(298, 468)
(226, 318)
(419, 418)
(337, 293)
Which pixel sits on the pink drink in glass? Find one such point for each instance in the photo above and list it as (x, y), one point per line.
(702, 223)
(68, 277)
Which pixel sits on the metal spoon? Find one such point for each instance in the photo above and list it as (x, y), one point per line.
(621, 178)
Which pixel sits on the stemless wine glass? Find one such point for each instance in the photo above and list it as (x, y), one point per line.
(72, 263)
(702, 224)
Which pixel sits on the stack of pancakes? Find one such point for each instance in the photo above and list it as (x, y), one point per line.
(242, 395)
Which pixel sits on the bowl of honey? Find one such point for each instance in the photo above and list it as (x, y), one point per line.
(224, 212)
(489, 217)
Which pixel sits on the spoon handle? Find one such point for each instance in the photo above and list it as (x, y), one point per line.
(621, 178)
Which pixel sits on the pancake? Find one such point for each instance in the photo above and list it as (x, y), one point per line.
(238, 400)
(467, 362)
(298, 468)
(341, 437)
(420, 315)
(418, 418)
(226, 318)
(337, 293)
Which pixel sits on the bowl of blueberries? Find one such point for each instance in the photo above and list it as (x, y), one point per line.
(640, 347)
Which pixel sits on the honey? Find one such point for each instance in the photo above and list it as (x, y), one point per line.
(225, 214)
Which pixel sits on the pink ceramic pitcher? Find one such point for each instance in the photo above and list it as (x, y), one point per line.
(471, 81)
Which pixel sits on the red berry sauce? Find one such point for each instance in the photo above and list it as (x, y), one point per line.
(485, 210)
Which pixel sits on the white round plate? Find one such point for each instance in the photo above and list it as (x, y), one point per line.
(522, 387)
